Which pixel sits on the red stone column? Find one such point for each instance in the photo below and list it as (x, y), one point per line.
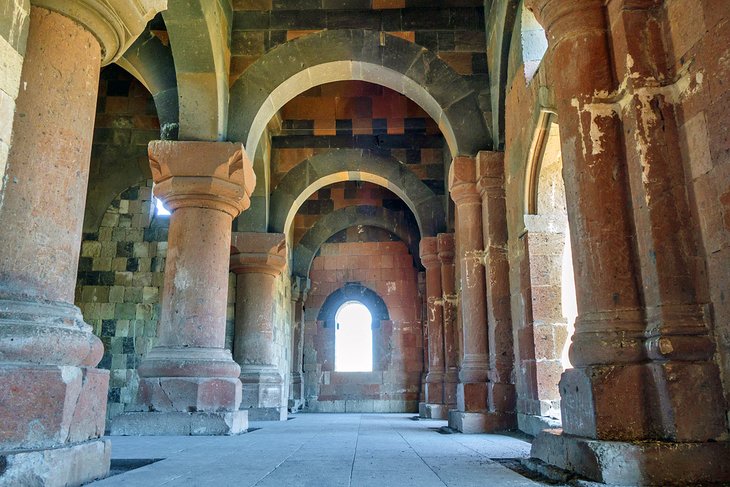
(688, 387)
(451, 338)
(615, 243)
(189, 382)
(52, 398)
(470, 417)
(433, 405)
(300, 288)
(258, 259)
(501, 387)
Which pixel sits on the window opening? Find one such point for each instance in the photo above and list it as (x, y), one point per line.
(353, 338)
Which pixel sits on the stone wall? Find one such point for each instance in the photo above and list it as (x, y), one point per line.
(121, 274)
(126, 121)
(13, 34)
(454, 29)
(394, 385)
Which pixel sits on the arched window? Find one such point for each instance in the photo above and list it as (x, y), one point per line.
(353, 338)
(534, 43)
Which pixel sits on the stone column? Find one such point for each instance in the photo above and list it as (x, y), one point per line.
(660, 399)
(470, 417)
(189, 382)
(53, 399)
(258, 260)
(433, 405)
(501, 388)
(689, 391)
(451, 339)
(300, 288)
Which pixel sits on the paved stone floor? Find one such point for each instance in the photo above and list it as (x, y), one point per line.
(321, 450)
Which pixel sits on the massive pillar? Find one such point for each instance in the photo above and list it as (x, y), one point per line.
(299, 290)
(451, 339)
(470, 415)
(501, 388)
(640, 335)
(258, 260)
(433, 405)
(189, 382)
(53, 399)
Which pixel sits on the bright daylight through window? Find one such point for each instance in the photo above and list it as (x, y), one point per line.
(353, 338)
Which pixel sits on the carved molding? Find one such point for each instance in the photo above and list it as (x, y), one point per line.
(115, 23)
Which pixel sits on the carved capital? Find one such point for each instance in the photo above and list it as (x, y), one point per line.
(446, 248)
(115, 23)
(262, 253)
(462, 181)
(490, 171)
(563, 18)
(216, 175)
(428, 250)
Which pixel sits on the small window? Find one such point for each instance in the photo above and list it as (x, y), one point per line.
(160, 209)
(353, 338)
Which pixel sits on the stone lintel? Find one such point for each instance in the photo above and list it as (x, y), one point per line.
(255, 252)
(216, 175)
(115, 23)
(635, 463)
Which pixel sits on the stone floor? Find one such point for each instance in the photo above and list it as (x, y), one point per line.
(324, 450)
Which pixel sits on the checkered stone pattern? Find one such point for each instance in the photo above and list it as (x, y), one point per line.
(119, 287)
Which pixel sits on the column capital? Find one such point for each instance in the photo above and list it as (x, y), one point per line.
(216, 175)
(462, 180)
(446, 248)
(561, 18)
(490, 171)
(114, 23)
(263, 253)
(428, 250)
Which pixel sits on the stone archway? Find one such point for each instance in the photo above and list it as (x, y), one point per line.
(343, 218)
(337, 55)
(355, 165)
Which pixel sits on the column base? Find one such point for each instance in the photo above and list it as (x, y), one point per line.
(480, 422)
(295, 405)
(533, 424)
(70, 466)
(262, 395)
(635, 463)
(433, 411)
(176, 423)
(268, 414)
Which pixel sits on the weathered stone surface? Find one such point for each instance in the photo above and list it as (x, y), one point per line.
(639, 463)
(69, 465)
(178, 423)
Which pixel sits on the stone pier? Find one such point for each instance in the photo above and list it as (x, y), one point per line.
(471, 413)
(258, 259)
(641, 334)
(299, 289)
(189, 382)
(451, 339)
(53, 399)
(433, 406)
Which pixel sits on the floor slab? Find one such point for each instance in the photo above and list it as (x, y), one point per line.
(350, 450)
